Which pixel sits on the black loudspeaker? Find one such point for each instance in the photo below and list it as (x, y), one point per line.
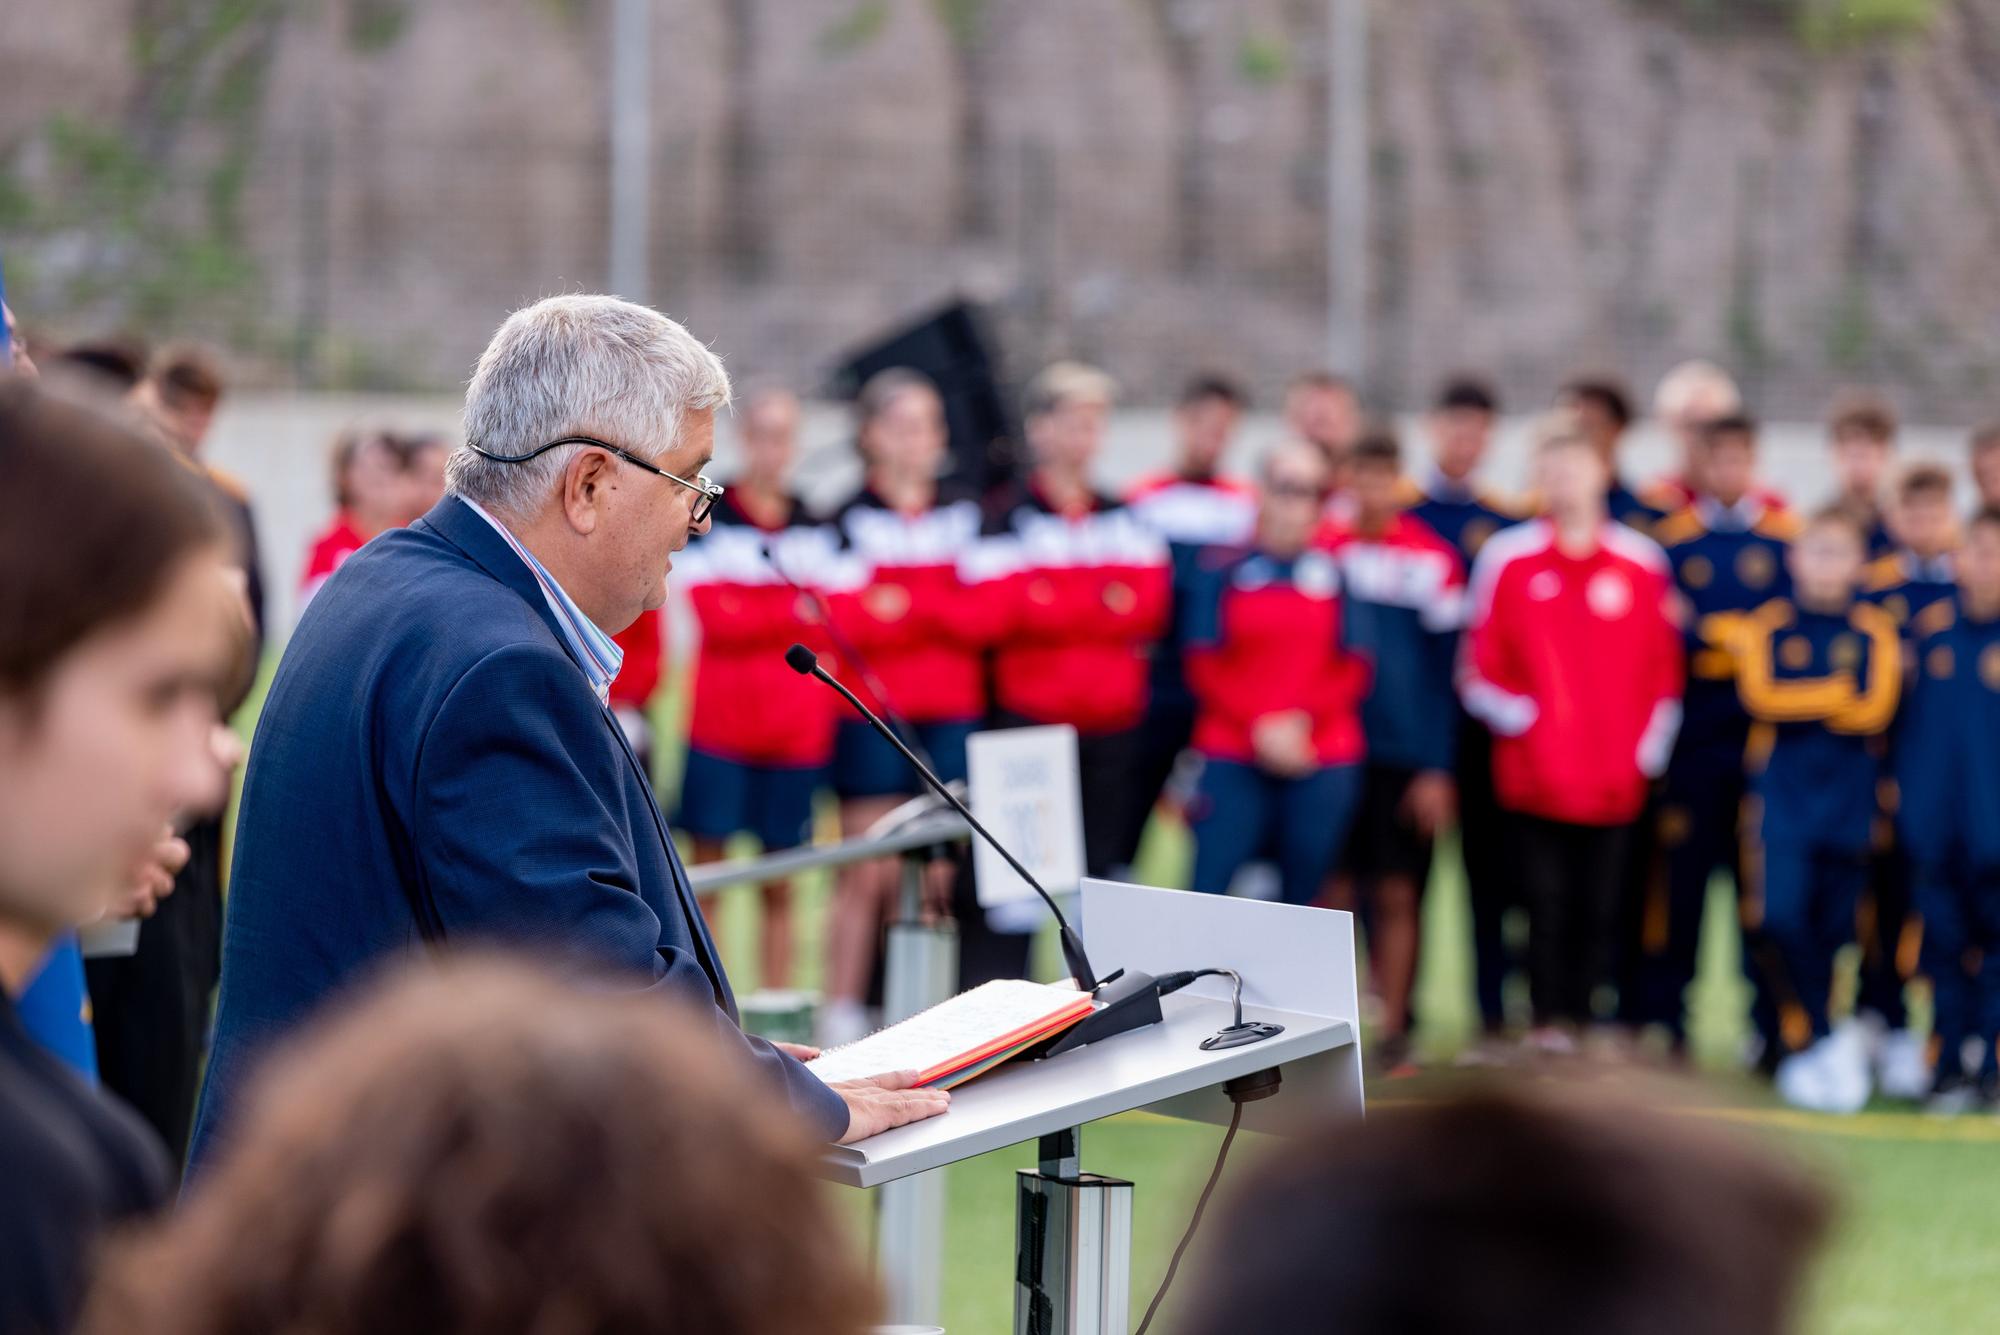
(955, 348)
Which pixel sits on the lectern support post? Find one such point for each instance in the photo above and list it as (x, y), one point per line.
(920, 970)
(1072, 1246)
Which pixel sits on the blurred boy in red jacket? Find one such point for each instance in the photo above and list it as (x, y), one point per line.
(1574, 660)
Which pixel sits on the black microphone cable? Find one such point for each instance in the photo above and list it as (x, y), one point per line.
(1244, 1089)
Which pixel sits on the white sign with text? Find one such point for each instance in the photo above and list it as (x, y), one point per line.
(1024, 788)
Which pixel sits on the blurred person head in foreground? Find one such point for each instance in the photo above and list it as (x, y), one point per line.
(476, 1148)
(114, 640)
(1504, 1212)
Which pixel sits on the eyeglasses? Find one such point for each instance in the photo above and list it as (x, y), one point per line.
(706, 493)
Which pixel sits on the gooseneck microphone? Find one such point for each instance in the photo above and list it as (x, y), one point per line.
(806, 663)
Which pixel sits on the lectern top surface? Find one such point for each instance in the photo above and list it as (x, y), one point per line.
(1115, 1075)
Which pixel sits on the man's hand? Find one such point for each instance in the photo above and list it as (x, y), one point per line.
(884, 1101)
(796, 1051)
(1283, 743)
(153, 879)
(1431, 802)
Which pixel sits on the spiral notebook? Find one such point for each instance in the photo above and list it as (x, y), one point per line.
(961, 1038)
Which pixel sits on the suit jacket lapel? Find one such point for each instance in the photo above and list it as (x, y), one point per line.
(705, 950)
(457, 523)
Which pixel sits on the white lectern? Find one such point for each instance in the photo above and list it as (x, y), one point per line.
(1073, 1229)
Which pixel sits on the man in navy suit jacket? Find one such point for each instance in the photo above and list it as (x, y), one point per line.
(435, 764)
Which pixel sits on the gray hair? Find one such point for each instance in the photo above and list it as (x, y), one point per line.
(576, 366)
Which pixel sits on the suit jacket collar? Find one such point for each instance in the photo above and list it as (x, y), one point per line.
(460, 525)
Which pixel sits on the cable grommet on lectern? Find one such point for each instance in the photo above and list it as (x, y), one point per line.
(1241, 1035)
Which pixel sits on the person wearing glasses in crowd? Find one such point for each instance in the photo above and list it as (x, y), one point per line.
(436, 762)
(1278, 694)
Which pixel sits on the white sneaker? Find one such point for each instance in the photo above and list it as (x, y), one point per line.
(1849, 1080)
(1801, 1080)
(1900, 1069)
(1831, 1076)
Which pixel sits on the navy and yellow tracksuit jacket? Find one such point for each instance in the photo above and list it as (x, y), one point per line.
(1727, 562)
(1822, 685)
(1947, 761)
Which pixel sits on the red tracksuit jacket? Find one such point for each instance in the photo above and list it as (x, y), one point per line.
(925, 646)
(749, 706)
(1575, 664)
(1264, 636)
(644, 643)
(1073, 601)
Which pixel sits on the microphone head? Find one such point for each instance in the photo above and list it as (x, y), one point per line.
(801, 659)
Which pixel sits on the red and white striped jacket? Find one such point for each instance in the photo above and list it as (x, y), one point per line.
(748, 705)
(1073, 602)
(894, 594)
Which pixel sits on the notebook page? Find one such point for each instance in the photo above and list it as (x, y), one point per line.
(948, 1030)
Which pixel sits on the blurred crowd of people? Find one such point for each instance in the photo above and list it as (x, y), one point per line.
(1323, 661)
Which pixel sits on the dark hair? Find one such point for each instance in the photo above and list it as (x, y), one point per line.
(1862, 413)
(93, 520)
(1501, 1212)
(1467, 391)
(118, 361)
(1213, 385)
(1606, 392)
(187, 374)
(478, 1148)
(1925, 480)
(1378, 445)
(1731, 425)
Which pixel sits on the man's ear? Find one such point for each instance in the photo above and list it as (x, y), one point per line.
(584, 482)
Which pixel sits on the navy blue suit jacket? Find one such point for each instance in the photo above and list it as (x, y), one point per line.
(432, 766)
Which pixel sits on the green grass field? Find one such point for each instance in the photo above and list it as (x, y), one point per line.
(1918, 1229)
(1919, 1220)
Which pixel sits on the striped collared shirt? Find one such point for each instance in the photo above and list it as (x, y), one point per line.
(595, 651)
